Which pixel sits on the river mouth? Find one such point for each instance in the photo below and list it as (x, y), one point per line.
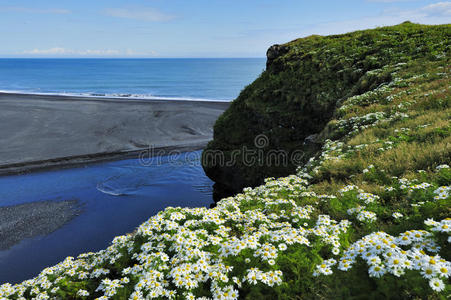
(112, 199)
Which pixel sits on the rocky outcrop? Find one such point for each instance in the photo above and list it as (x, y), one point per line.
(277, 122)
(273, 53)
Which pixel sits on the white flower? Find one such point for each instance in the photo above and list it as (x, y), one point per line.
(83, 293)
(436, 284)
(283, 247)
(397, 215)
(442, 167)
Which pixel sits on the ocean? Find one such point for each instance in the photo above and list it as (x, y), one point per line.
(215, 79)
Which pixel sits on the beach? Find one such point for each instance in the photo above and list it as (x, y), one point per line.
(34, 219)
(49, 131)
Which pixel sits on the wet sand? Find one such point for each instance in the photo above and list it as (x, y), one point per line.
(33, 219)
(45, 131)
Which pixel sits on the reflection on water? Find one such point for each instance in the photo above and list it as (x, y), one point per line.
(115, 198)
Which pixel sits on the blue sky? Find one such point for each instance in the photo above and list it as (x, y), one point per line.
(194, 28)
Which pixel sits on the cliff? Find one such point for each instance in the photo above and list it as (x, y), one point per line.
(284, 112)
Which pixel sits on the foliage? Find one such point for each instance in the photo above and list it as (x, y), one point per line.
(368, 217)
(301, 89)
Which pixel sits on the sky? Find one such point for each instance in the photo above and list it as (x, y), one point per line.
(194, 28)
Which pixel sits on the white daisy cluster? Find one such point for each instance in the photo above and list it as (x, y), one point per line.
(353, 125)
(181, 249)
(366, 216)
(440, 167)
(331, 150)
(348, 188)
(442, 192)
(370, 97)
(385, 254)
(401, 130)
(370, 167)
(362, 214)
(444, 226)
(421, 186)
(325, 268)
(357, 123)
(110, 287)
(378, 95)
(367, 197)
(424, 126)
(397, 215)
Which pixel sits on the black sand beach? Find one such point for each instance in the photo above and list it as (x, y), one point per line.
(45, 131)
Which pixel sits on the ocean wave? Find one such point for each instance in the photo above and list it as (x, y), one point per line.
(113, 95)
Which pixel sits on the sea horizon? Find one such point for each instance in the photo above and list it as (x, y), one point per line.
(217, 79)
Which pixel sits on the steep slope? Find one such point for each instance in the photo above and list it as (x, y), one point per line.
(304, 83)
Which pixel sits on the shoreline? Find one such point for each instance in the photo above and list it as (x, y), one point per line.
(42, 132)
(106, 97)
(81, 160)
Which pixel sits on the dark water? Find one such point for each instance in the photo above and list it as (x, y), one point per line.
(220, 79)
(115, 198)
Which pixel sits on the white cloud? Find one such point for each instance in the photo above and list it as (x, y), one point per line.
(388, 1)
(262, 38)
(55, 50)
(60, 51)
(143, 14)
(438, 9)
(437, 13)
(58, 11)
(130, 52)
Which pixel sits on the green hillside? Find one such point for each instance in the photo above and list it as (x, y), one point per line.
(305, 82)
(368, 216)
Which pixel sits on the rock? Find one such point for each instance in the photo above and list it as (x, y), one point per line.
(311, 139)
(273, 53)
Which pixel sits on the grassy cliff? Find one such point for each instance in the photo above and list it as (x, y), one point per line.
(306, 80)
(367, 217)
